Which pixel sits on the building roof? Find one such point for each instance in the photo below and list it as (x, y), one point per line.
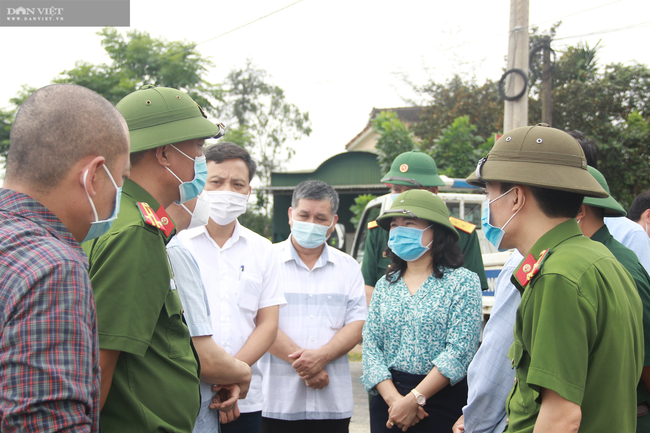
(408, 115)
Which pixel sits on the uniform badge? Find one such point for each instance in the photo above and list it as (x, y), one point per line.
(530, 267)
(372, 225)
(404, 168)
(462, 225)
(158, 219)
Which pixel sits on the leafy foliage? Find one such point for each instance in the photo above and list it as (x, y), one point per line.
(394, 138)
(261, 119)
(257, 222)
(360, 203)
(456, 149)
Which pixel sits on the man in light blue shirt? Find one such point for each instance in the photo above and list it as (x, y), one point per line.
(490, 375)
(633, 236)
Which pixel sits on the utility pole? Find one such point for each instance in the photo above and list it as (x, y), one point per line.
(516, 112)
(547, 84)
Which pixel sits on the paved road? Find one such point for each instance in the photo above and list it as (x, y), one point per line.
(360, 422)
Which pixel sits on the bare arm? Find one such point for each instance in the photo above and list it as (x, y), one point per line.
(218, 367)
(283, 347)
(557, 414)
(262, 337)
(369, 290)
(310, 362)
(107, 362)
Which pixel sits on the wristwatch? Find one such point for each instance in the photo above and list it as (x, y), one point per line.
(419, 398)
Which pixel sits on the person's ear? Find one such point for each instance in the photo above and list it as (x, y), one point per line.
(518, 197)
(582, 212)
(161, 156)
(646, 216)
(88, 174)
(290, 213)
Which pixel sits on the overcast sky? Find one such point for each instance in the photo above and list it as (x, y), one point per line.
(337, 59)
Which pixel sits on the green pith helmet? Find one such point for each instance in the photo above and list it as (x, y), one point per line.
(157, 116)
(611, 206)
(538, 156)
(418, 203)
(413, 169)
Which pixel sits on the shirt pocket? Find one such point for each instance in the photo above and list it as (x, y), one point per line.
(250, 289)
(522, 398)
(335, 308)
(177, 335)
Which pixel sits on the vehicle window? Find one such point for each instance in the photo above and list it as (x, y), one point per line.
(473, 213)
(454, 209)
(370, 214)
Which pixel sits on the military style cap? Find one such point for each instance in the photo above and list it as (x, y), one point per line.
(538, 156)
(157, 116)
(418, 203)
(414, 169)
(611, 206)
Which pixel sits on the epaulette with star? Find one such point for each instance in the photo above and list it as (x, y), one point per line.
(530, 267)
(158, 219)
(372, 225)
(462, 225)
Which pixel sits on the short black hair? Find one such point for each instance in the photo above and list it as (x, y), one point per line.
(315, 190)
(56, 127)
(588, 147)
(640, 204)
(445, 253)
(220, 152)
(553, 202)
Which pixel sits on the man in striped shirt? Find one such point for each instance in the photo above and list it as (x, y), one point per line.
(68, 154)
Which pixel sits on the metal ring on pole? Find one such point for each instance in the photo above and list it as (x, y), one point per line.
(531, 57)
(502, 83)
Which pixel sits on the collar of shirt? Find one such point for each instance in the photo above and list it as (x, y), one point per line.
(548, 241)
(238, 233)
(23, 206)
(290, 253)
(601, 235)
(138, 194)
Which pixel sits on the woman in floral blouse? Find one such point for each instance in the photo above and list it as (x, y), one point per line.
(423, 323)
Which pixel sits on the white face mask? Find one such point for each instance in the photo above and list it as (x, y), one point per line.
(201, 213)
(226, 206)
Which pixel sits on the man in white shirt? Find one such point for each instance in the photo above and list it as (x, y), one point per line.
(307, 383)
(240, 279)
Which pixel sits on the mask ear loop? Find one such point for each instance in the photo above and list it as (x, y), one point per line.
(513, 215)
(92, 205)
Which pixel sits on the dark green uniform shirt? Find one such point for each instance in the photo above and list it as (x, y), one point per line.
(578, 332)
(155, 386)
(375, 263)
(628, 258)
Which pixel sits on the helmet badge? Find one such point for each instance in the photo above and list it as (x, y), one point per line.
(404, 168)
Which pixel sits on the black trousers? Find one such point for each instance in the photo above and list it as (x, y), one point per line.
(271, 425)
(444, 408)
(246, 423)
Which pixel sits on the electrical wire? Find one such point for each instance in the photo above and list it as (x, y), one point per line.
(619, 29)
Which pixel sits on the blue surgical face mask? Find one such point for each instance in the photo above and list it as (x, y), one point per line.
(406, 242)
(190, 190)
(97, 227)
(309, 235)
(495, 234)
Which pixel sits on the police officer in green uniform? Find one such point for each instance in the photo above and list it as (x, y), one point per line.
(150, 373)
(591, 221)
(415, 170)
(578, 337)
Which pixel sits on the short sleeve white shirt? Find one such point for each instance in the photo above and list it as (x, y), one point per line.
(633, 236)
(320, 302)
(239, 279)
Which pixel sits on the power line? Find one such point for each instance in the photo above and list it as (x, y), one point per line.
(630, 27)
(249, 23)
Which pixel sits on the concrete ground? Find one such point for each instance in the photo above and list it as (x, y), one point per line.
(360, 422)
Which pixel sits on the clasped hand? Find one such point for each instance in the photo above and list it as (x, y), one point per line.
(309, 365)
(225, 401)
(405, 413)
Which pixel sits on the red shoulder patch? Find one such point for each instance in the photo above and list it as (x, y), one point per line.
(530, 267)
(158, 219)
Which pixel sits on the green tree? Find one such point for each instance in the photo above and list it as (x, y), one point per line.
(456, 98)
(260, 118)
(258, 222)
(394, 138)
(456, 149)
(138, 59)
